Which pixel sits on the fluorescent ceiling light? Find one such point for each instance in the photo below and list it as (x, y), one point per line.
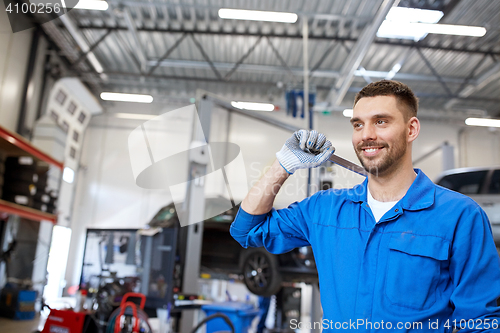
(396, 20)
(92, 5)
(68, 175)
(347, 113)
(415, 24)
(449, 29)
(253, 106)
(403, 14)
(257, 15)
(135, 116)
(483, 122)
(417, 31)
(119, 97)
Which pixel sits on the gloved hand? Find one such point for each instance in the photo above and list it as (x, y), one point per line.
(305, 149)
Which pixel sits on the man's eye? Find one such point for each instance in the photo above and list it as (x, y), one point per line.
(356, 125)
(381, 121)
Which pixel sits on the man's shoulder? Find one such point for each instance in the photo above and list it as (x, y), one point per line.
(445, 196)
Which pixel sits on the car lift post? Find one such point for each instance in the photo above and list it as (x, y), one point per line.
(194, 207)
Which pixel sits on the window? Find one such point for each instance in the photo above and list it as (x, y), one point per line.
(54, 116)
(61, 97)
(465, 183)
(81, 117)
(495, 183)
(72, 152)
(72, 108)
(65, 126)
(76, 136)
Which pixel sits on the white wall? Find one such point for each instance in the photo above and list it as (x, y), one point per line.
(480, 146)
(14, 53)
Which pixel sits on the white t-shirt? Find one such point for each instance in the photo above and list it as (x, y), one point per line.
(379, 208)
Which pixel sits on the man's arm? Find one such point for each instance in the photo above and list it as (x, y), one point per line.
(303, 150)
(261, 197)
(475, 272)
(257, 223)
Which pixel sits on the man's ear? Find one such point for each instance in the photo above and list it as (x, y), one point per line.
(413, 128)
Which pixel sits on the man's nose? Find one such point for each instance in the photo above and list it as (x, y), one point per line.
(369, 133)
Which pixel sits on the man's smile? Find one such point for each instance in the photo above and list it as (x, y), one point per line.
(371, 151)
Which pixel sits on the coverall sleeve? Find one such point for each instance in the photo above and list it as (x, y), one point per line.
(278, 231)
(475, 273)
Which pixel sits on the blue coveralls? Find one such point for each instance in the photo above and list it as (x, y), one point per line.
(429, 263)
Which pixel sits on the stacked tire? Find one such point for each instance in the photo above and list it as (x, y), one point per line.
(2, 171)
(45, 198)
(19, 180)
(25, 183)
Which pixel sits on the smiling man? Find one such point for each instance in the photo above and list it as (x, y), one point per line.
(396, 252)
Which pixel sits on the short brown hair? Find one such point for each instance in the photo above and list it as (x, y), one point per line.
(404, 95)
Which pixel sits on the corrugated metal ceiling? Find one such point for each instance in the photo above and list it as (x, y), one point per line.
(184, 45)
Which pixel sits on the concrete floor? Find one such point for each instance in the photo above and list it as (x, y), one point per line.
(30, 326)
(18, 326)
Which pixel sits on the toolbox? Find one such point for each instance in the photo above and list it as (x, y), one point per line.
(17, 303)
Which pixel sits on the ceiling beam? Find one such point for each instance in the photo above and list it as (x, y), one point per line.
(479, 83)
(205, 56)
(240, 61)
(198, 6)
(492, 74)
(296, 71)
(292, 36)
(339, 90)
(166, 54)
(119, 76)
(81, 42)
(92, 48)
(67, 54)
(139, 50)
(434, 71)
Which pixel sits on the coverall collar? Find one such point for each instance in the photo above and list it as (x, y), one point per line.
(420, 195)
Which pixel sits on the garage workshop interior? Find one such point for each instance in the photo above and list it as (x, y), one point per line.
(132, 130)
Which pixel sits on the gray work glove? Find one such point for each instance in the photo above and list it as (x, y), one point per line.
(305, 149)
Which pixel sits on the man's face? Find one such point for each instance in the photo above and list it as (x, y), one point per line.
(380, 134)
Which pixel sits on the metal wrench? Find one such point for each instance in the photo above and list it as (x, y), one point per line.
(348, 165)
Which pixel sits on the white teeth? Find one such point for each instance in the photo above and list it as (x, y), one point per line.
(370, 150)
